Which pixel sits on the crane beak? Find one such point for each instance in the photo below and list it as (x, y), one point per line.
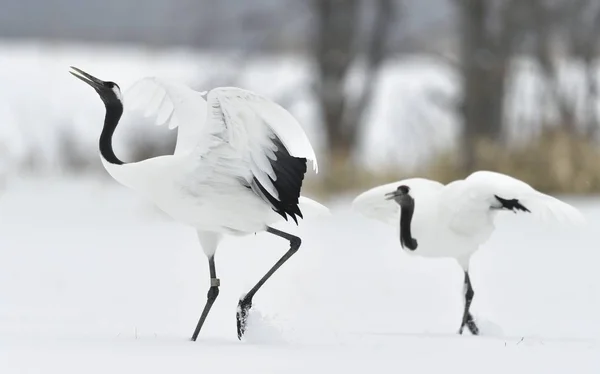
(392, 195)
(87, 78)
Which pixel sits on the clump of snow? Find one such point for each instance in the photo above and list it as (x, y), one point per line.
(262, 329)
(488, 327)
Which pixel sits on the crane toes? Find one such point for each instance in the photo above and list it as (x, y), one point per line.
(471, 325)
(242, 315)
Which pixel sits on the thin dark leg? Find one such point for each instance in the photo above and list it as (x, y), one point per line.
(213, 292)
(467, 317)
(246, 302)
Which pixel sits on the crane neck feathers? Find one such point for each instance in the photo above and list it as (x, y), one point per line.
(114, 111)
(407, 209)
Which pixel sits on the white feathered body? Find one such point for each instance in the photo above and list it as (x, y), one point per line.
(224, 145)
(196, 195)
(454, 220)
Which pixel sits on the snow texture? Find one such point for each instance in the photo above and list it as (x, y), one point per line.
(94, 280)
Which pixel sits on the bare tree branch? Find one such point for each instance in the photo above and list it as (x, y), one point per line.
(375, 56)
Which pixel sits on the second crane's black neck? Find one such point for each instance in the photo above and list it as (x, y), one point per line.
(114, 111)
(407, 209)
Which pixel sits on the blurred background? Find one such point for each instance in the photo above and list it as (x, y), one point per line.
(385, 89)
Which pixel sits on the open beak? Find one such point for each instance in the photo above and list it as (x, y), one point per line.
(91, 80)
(392, 195)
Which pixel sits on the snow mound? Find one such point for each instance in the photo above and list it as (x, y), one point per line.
(261, 329)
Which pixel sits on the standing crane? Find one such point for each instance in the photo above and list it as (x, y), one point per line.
(237, 169)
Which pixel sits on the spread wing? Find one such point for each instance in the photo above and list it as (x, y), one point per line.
(485, 190)
(230, 126)
(372, 203)
(172, 104)
(242, 125)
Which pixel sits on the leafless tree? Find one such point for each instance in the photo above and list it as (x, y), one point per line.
(337, 48)
(489, 32)
(578, 22)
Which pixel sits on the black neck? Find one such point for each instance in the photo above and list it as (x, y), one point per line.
(406, 214)
(111, 120)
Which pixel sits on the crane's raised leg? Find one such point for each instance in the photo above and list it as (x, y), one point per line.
(213, 292)
(467, 317)
(246, 302)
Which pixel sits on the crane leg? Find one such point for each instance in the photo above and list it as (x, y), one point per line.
(467, 317)
(245, 302)
(213, 292)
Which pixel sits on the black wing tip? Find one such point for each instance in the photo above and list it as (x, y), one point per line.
(289, 175)
(284, 209)
(512, 204)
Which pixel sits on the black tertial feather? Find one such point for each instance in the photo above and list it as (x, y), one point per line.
(289, 175)
(512, 204)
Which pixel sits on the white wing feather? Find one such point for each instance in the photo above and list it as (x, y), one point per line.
(480, 188)
(247, 122)
(467, 199)
(170, 103)
(249, 125)
(372, 203)
(186, 109)
(250, 118)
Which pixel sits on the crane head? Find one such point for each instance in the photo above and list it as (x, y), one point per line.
(400, 194)
(109, 92)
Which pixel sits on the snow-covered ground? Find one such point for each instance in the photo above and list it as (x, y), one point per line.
(93, 280)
